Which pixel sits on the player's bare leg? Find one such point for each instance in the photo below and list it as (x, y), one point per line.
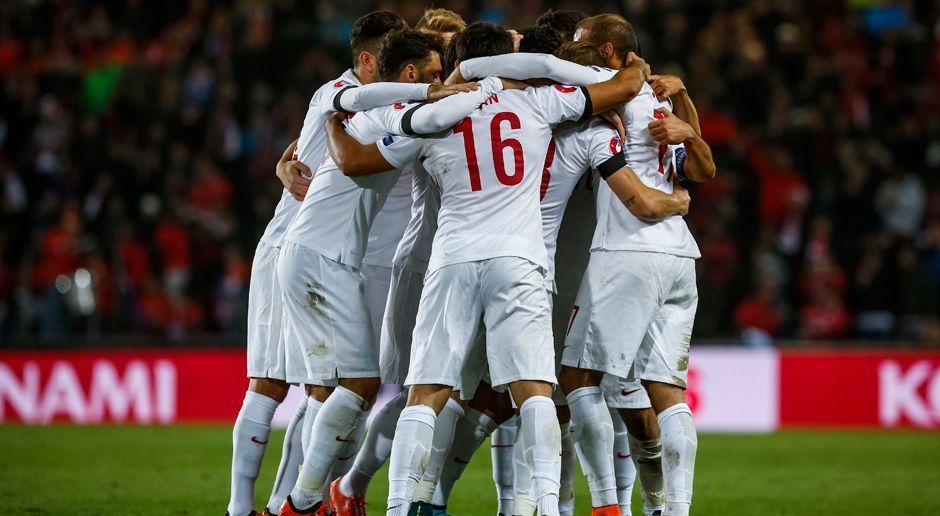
(411, 447)
(250, 438)
(646, 450)
(541, 441)
(593, 433)
(332, 429)
(680, 443)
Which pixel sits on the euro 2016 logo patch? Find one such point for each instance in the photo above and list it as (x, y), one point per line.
(565, 89)
(616, 146)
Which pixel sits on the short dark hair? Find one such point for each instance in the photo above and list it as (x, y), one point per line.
(482, 40)
(565, 21)
(582, 52)
(368, 32)
(541, 39)
(613, 29)
(404, 47)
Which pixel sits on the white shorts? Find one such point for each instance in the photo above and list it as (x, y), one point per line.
(619, 393)
(326, 316)
(634, 309)
(265, 348)
(398, 324)
(508, 293)
(377, 279)
(561, 317)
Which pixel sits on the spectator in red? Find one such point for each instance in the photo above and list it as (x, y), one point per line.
(825, 317)
(760, 317)
(173, 241)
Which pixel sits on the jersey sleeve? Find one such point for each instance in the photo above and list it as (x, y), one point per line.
(605, 150)
(557, 104)
(524, 66)
(400, 150)
(432, 118)
(353, 98)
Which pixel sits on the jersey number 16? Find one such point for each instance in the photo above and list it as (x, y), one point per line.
(465, 128)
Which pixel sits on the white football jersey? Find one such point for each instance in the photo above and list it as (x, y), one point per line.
(414, 250)
(576, 149)
(489, 170)
(389, 225)
(337, 213)
(311, 147)
(655, 165)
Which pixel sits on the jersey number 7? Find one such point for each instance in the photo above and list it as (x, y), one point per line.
(465, 128)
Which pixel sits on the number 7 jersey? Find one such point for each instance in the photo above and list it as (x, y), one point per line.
(489, 170)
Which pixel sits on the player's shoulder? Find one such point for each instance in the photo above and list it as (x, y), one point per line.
(328, 88)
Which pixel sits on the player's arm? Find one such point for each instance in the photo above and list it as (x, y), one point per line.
(645, 203)
(425, 119)
(694, 161)
(294, 175)
(671, 87)
(523, 67)
(353, 158)
(370, 96)
(621, 88)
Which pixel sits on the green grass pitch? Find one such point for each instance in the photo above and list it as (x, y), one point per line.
(184, 470)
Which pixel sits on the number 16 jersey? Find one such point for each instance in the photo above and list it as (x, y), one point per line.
(489, 170)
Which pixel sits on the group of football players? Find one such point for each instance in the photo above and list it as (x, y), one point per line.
(509, 246)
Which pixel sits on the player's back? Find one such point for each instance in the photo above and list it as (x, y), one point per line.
(489, 170)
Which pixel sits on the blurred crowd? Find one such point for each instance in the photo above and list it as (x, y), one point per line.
(138, 141)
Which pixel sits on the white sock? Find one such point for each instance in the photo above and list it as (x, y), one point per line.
(411, 450)
(346, 456)
(249, 440)
(624, 468)
(310, 417)
(471, 431)
(332, 429)
(523, 499)
(501, 450)
(292, 456)
(541, 438)
(376, 448)
(444, 428)
(568, 458)
(594, 439)
(680, 442)
(647, 459)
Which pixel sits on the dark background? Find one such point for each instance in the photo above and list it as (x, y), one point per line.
(138, 141)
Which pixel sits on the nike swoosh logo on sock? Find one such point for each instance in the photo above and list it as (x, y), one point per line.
(623, 455)
(500, 446)
(257, 441)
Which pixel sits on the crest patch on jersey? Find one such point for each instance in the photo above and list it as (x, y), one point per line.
(616, 146)
(388, 140)
(399, 105)
(339, 84)
(565, 89)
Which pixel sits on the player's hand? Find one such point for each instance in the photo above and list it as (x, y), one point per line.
(681, 195)
(612, 118)
(636, 61)
(511, 84)
(665, 86)
(295, 176)
(670, 130)
(440, 91)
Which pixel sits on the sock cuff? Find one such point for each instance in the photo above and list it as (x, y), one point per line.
(678, 408)
(583, 392)
(534, 401)
(481, 420)
(313, 403)
(648, 449)
(301, 409)
(258, 405)
(419, 413)
(350, 396)
(454, 405)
